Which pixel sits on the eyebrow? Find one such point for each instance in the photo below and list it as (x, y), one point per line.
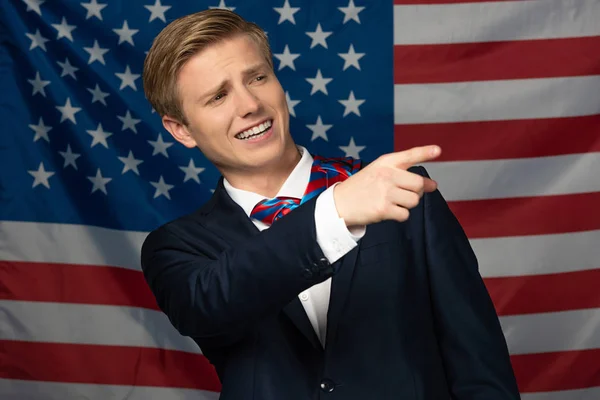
(223, 85)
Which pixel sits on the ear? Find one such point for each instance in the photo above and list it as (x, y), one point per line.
(179, 131)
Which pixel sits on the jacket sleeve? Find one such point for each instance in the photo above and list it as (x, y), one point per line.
(472, 343)
(217, 298)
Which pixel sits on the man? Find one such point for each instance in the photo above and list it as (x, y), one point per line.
(366, 289)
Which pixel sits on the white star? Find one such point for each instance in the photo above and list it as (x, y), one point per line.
(351, 105)
(286, 59)
(319, 83)
(319, 129)
(41, 131)
(98, 95)
(223, 6)
(99, 182)
(162, 188)
(157, 11)
(319, 37)
(160, 146)
(191, 171)
(127, 79)
(93, 9)
(126, 34)
(41, 176)
(130, 163)
(64, 30)
(352, 150)
(38, 84)
(34, 5)
(68, 111)
(96, 53)
(99, 136)
(286, 13)
(351, 12)
(37, 40)
(69, 157)
(291, 104)
(67, 69)
(129, 122)
(351, 58)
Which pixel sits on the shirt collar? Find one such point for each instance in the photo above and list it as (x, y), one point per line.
(294, 185)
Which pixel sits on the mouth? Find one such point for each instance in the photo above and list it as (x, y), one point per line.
(256, 131)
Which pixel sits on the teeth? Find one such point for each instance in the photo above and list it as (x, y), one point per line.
(254, 131)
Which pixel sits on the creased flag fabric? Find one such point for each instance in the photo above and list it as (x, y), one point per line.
(509, 89)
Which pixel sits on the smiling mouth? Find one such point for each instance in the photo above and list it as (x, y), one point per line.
(256, 131)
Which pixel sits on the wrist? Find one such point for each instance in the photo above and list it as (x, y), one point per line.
(340, 205)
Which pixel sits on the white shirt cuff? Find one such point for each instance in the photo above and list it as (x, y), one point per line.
(334, 238)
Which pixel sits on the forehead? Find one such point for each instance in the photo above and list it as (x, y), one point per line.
(224, 56)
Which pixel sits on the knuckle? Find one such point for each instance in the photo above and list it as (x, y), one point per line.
(386, 158)
(403, 214)
(414, 200)
(383, 173)
(420, 182)
(380, 208)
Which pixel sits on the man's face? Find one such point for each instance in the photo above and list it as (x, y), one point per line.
(236, 108)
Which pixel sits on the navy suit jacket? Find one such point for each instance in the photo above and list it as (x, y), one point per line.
(409, 316)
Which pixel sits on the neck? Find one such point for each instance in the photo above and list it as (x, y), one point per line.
(267, 181)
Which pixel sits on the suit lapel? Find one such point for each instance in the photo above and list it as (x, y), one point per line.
(230, 221)
(227, 219)
(340, 286)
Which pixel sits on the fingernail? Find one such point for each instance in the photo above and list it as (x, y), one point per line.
(435, 150)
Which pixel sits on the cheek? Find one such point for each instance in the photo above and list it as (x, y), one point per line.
(213, 126)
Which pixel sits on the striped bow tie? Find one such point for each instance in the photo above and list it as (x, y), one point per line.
(324, 173)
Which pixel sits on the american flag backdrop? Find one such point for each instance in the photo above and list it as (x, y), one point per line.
(509, 89)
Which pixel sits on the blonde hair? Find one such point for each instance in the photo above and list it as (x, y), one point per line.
(181, 40)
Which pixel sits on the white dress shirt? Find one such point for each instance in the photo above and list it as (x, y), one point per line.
(334, 238)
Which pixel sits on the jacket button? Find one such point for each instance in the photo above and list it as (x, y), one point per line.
(327, 385)
(323, 262)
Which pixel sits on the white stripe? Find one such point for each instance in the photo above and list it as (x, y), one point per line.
(120, 326)
(497, 100)
(553, 331)
(507, 256)
(90, 324)
(70, 244)
(495, 179)
(12, 389)
(539, 254)
(579, 394)
(495, 21)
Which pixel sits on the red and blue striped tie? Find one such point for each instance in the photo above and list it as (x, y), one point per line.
(324, 173)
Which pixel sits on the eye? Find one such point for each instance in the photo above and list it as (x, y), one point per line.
(219, 97)
(260, 78)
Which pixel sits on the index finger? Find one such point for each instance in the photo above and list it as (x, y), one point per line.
(407, 158)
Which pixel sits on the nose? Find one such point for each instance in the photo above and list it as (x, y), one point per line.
(247, 103)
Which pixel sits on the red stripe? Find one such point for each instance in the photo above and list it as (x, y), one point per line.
(111, 365)
(545, 293)
(489, 140)
(565, 370)
(67, 283)
(522, 59)
(528, 215)
(314, 185)
(116, 365)
(78, 284)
